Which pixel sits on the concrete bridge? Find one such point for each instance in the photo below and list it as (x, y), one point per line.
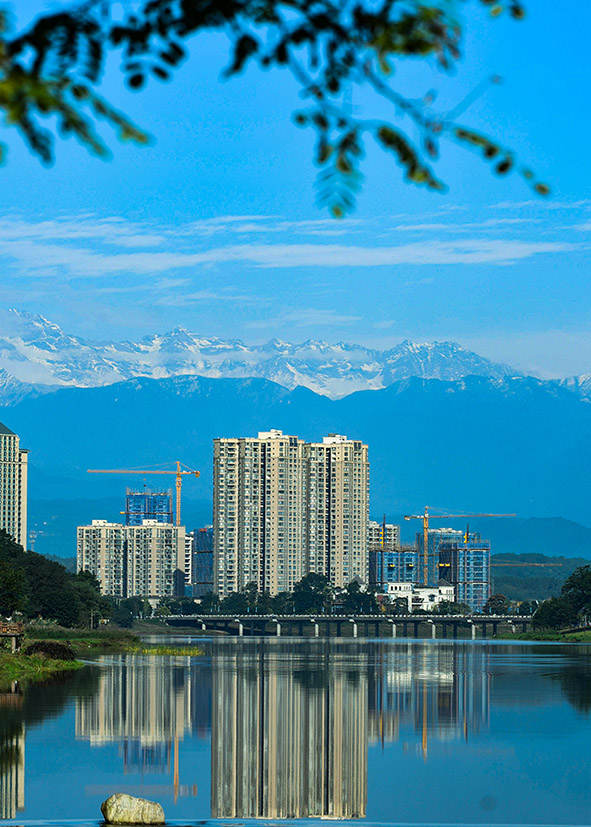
(369, 626)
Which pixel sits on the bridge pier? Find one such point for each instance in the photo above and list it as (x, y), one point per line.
(433, 629)
(316, 627)
(240, 627)
(393, 625)
(354, 626)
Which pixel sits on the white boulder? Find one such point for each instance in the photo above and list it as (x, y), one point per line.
(126, 809)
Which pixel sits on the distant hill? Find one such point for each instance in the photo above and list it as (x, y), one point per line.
(532, 582)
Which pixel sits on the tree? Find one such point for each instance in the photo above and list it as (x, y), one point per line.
(577, 590)
(357, 601)
(234, 603)
(497, 604)
(209, 602)
(450, 607)
(555, 613)
(51, 69)
(13, 589)
(311, 594)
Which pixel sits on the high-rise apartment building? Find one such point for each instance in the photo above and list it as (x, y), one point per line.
(13, 486)
(146, 560)
(284, 508)
(147, 505)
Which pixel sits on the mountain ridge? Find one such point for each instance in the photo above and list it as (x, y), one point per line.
(500, 446)
(36, 353)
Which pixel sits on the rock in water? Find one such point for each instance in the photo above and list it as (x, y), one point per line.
(126, 809)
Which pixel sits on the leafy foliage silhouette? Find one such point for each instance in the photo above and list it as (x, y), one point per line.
(50, 69)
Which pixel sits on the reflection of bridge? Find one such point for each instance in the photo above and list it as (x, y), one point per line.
(371, 626)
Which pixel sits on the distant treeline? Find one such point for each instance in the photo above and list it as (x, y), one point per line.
(532, 583)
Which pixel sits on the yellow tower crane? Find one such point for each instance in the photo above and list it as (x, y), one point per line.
(180, 471)
(425, 517)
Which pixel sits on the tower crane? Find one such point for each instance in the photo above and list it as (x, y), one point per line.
(425, 517)
(180, 471)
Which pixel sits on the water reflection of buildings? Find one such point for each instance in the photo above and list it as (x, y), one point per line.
(440, 692)
(142, 705)
(12, 775)
(289, 732)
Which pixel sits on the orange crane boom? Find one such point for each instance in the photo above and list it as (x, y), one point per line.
(425, 517)
(179, 473)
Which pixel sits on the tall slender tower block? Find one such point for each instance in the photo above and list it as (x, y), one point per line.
(13, 486)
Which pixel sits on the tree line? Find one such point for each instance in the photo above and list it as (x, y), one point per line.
(35, 587)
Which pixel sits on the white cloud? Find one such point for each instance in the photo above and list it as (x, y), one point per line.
(542, 204)
(34, 257)
(307, 317)
(207, 296)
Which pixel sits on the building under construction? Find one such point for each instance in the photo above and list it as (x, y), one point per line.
(461, 558)
(147, 505)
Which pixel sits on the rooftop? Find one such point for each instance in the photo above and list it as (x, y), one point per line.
(5, 430)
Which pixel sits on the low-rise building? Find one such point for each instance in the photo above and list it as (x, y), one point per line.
(425, 598)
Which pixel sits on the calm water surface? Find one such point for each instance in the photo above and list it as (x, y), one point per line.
(414, 732)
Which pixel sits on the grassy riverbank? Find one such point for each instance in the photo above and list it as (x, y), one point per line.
(560, 637)
(21, 667)
(86, 641)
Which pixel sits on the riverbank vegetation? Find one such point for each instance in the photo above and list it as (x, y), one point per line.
(33, 586)
(23, 667)
(571, 608)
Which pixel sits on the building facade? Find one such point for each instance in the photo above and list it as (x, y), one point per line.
(400, 565)
(13, 486)
(147, 505)
(437, 536)
(199, 561)
(129, 561)
(284, 508)
(383, 544)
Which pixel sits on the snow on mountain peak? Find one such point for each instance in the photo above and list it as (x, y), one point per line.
(35, 350)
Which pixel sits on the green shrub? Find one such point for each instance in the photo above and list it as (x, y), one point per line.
(51, 649)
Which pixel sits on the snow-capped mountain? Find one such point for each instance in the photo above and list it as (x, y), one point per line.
(37, 352)
(581, 385)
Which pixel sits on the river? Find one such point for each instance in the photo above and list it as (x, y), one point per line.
(396, 732)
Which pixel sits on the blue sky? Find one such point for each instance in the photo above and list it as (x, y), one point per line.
(215, 226)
